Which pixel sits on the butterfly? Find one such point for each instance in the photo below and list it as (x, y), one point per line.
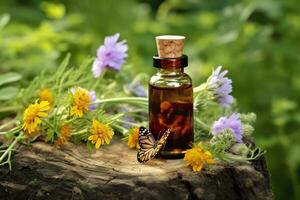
(149, 147)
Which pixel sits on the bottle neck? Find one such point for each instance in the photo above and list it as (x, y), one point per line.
(170, 65)
(171, 70)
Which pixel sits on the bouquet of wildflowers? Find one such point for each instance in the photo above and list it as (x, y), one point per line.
(86, 104)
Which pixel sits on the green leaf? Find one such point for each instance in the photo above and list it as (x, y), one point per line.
(4, 19)
(9, 77)
(9, 92)
(90, 146)
(62, 67)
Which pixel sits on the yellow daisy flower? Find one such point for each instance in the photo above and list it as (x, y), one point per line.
(65, 134)
(32, 115)
(197, 158)
(81, 101)
(46, 95)
(133, 138)
(101, 134)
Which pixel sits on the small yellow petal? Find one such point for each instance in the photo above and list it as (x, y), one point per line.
(37, 120)
(91, 137)
(197, 157)
(42, 114)
(98, 144)
(80, 102)
(106, 140)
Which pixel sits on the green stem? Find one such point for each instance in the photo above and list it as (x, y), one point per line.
(11, 131)
(120, 128)
(199, 88)
(70, 84)
(202, 124)
(17, 139)
(50, 125)
(71, 120)
(141, 110)
(7, 124)
(10, 109)
(80, 132)
(116, 117)
(137, 100)
(129, 123)
(94, 86)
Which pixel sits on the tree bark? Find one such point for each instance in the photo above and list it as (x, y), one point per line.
(41, 171)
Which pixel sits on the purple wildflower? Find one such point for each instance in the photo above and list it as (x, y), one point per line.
(126, 118)
(139, 91)
(136, 89)
(233, 123)
(221, 87)
(111, 54)
(92, 95)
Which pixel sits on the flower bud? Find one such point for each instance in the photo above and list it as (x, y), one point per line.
(239, 149)
(247, 129)
(248, 118)
(223, 140)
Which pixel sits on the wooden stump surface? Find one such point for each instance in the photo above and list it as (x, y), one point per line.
(41, 171)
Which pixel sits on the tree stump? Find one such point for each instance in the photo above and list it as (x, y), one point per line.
(41, 171)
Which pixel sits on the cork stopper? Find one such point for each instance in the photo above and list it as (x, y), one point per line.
(170, 46)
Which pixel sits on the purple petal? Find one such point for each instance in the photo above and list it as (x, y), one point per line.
(110, 55)
(97, 68)
(92, 94)
(93, 107)
(93, 97)
(221, 87)
(111, 40)
(232, 122)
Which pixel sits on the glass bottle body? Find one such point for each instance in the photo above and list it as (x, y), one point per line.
(171, 106)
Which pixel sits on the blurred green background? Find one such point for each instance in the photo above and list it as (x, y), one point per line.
(258, 41)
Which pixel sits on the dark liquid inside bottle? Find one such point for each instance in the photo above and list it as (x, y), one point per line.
(172, 107)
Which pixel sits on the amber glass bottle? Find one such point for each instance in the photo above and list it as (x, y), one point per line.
(171, 105)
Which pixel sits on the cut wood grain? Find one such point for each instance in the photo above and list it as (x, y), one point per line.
(41, 171)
